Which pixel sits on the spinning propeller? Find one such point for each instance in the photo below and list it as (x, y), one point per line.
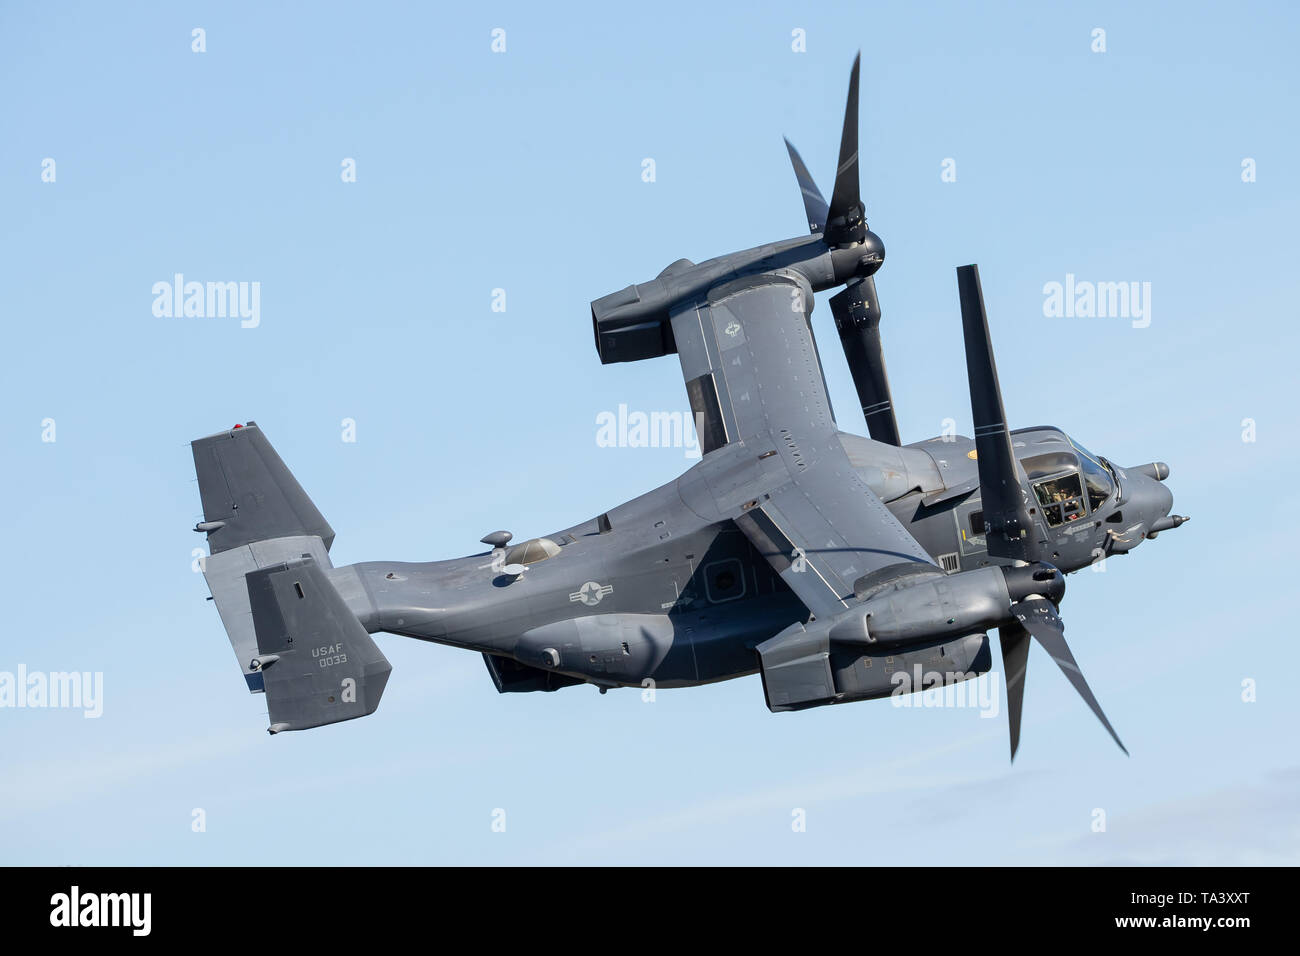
(1036, 586)
(842, 224)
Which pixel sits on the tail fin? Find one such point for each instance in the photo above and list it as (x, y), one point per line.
(294, 636)
(248, 494)
(319, 664)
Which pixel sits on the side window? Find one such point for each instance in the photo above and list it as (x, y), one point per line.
(1061, 499)
(724, 580)
(1098, 492)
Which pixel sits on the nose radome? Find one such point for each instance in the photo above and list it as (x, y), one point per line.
(1147, 502)
(1151, 500)
(1164, 498)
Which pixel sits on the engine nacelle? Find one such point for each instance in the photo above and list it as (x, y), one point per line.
(912, 618)
(932, 608)
(803, 667)
(921, 607)
(885, 673)
(633, 324)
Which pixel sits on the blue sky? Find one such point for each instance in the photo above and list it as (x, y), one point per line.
(522, 171)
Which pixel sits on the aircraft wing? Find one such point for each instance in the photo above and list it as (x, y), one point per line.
(773, 461)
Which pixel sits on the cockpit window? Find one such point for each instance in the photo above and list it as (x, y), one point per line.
(1051, 463)
(1061, 499)
(1096, 477)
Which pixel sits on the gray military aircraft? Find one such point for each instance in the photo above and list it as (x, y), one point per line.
(832, 565)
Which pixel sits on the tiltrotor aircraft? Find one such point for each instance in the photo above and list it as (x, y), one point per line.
(828, 563)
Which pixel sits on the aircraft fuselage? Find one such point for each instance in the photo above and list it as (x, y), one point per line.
(652, 592)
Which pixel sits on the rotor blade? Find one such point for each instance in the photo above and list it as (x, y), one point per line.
(1015, 655)
(846, 221)
(813, 203)
(1040, 619)
(1010, 531)
(857, 319)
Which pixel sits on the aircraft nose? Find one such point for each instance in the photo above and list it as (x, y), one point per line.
(1146, 508)
(1152, 500)
(1166, 498)
(1164, 521)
